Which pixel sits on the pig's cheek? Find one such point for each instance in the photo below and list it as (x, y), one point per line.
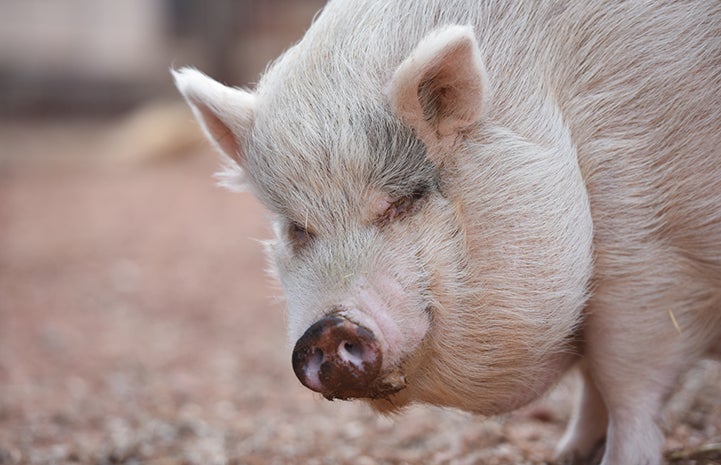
(285, 271)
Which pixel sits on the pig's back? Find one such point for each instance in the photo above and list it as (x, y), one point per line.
(643, 104)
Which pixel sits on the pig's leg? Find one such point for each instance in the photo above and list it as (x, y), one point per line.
(586, 429)
(634, 355)
(634, 401)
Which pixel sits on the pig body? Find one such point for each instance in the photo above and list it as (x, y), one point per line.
(471, 197)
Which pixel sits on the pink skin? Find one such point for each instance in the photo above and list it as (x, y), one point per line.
(373, 308)
(378, 203)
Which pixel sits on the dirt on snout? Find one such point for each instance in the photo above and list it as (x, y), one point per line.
(137, 326)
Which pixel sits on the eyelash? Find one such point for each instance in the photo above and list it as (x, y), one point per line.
(405, 206)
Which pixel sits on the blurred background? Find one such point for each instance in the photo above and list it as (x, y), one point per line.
(80, 56)
(137, 325)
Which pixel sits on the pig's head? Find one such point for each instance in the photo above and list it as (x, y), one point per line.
(424, 252)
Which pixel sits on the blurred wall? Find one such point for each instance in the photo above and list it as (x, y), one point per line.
(103, 38)
(61, 56)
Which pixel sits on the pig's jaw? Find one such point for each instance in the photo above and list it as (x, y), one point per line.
(429, 384)
(524, 394)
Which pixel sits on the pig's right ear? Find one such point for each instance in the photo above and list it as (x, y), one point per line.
(439, 89)
(224, 113)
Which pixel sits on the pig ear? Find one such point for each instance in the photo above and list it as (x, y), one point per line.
(438, 90)
(224, 113)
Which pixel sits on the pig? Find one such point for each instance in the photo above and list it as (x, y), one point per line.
(470, 198)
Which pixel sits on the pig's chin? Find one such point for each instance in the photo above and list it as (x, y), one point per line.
(390, 404)
(452, 395)
(382, 389)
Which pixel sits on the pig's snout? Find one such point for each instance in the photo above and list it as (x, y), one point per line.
(338, 359)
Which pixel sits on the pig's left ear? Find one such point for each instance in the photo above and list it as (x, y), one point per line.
(225, 113)
(438, 90)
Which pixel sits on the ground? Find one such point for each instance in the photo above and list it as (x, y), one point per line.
(137, 326)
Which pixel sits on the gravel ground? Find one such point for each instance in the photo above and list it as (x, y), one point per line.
(137, 327)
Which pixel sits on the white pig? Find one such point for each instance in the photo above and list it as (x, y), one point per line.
(472, 197)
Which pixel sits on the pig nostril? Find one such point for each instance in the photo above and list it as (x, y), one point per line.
(351, 353)
(338, 358)
(315, 360)
(312, 369)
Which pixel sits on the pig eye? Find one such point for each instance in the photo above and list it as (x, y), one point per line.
(402, 207)
(299, 236)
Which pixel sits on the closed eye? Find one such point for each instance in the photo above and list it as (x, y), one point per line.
(299, 236)
(402, 207)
